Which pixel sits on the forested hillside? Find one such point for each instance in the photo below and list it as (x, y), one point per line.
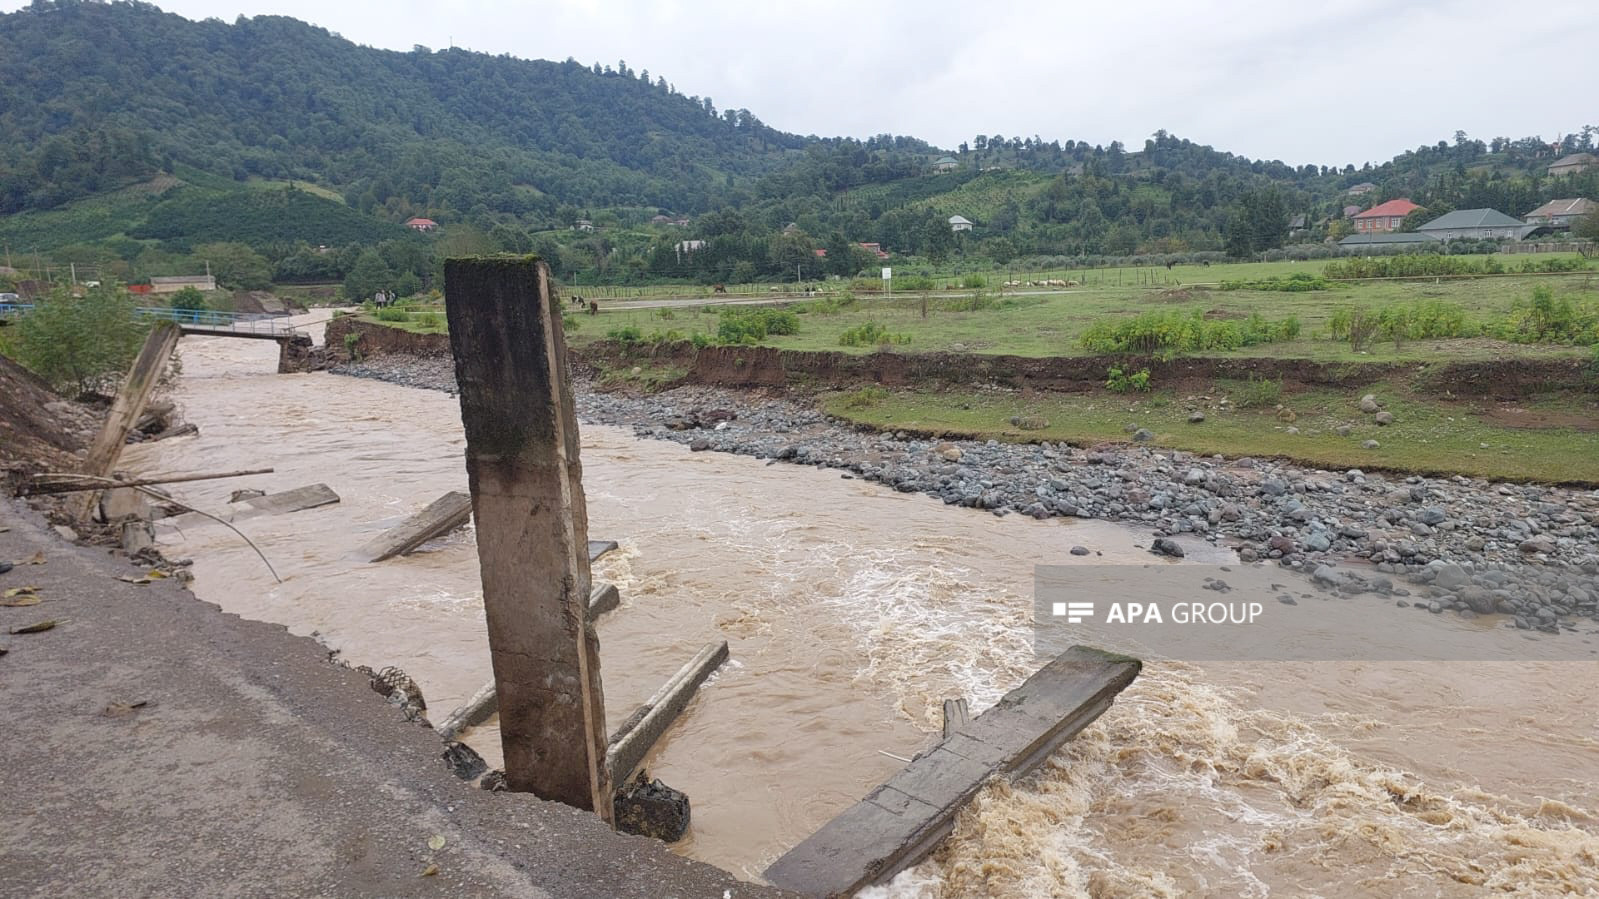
(276, 98)
(131, 137)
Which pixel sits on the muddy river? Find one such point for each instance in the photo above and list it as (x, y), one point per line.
(852, 612)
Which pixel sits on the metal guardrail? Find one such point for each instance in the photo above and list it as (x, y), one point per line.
(194, 321)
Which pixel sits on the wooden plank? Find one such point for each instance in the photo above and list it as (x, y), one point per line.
(639, 733)
(524, 472)
(126, 409)
(483, 704)
(43, 484)
(439, 517)
(296, 500)
(956, 715)
(905, 818)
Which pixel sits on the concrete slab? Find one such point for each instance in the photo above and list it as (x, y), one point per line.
(436, 519)
(903, 820)
(163, 748)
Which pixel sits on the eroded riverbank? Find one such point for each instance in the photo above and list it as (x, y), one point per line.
(855, 607)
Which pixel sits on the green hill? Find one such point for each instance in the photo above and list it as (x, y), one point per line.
(137, 134)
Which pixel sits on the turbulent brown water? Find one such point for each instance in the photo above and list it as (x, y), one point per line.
(852, 612)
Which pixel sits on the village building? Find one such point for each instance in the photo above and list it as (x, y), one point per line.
(1361, 189)
(422, 224)
(582, 225)
(1562, 213)
(1477, 224)
(959, 223)
(176, 283)
(875, 250)
(1575, 164)
(1384, 217)
(1388, 239)
(945, 164)
(661, 220)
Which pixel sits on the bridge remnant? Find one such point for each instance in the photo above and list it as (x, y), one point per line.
(903, 820)
(126, 409)
(532, 526)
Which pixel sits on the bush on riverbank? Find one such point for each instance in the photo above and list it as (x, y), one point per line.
(1164, 333)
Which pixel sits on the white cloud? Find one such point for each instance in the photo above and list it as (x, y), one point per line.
(1325, 83)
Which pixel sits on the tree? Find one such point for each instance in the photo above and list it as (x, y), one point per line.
(236, 265)
(369, 275)
(1587, 227)
(189, 299)
(82, 344)
(1418, 217)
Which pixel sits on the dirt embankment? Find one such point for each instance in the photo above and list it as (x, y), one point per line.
(772, 367)
(760, 366)
(38, 428)
(371, 339)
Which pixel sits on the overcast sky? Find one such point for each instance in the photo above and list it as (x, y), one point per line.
(1325, 83)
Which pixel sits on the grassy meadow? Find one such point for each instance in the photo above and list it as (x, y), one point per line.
(1552, 438)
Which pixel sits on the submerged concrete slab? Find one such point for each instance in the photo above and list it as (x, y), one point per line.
(903, 820)
(436, 519)
(163, 748)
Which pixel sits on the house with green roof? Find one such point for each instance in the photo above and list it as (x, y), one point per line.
(945, 164)
(1477, 224)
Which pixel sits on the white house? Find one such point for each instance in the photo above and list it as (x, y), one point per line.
(959, 223)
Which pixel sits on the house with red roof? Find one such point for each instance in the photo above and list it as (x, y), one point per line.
(422, 224)
(1384, 217)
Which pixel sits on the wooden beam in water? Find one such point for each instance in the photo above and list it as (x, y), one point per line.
(525, 476)
(484, 704)
(126, 409)
(438, 518)
(904, 819)
(649, 722)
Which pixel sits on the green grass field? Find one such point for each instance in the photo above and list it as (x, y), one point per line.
(1484, 440)
(1052, 324)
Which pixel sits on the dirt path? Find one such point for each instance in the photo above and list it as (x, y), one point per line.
(161, 747)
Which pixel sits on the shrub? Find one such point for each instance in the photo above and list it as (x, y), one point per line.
(871, 334)
(431, 321)
(1258, 393)
(80, 343)
(752, 324)
(352, 344)
(1168, 332)
(865, 397)
(1119, 381)
(974, 282)
(189, 299)
(1546, 319)
(392, 314)
(571, 324)
(1298, 282)
(629, 334)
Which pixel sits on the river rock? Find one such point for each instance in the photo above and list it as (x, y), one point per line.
(1143, 435)
(1383, 418)
(1195, 418)
(1165, 546)
(1369, 404)
(1371, 444)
